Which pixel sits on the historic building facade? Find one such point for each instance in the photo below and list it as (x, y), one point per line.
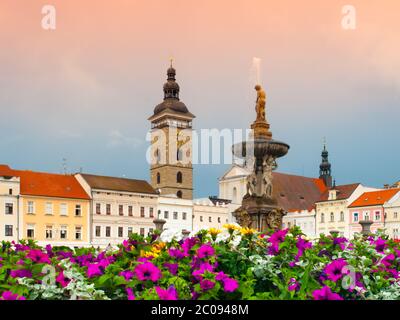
(52, 209)
(177, 212)
(392, 216)
(9, 204)
(119, 207)
(210, 213)
(332, 212)
(370, 206)
(171, 169)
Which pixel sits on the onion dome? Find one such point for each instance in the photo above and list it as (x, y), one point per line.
(171, 95)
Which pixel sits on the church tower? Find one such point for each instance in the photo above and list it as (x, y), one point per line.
(325, 168)
(171, 143)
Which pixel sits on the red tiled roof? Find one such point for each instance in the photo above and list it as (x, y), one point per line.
(374, 198)
(6, 171)
(343, 192)
(118, 184)
(47, 184)
(297, 193)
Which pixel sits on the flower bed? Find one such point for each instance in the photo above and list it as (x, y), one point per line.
(233, 263)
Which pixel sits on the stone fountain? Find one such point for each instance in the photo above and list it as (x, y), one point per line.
(259, 209)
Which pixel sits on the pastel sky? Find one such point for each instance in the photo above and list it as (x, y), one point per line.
(85, 90)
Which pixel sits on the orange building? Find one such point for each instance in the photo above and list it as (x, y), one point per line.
(54, 209)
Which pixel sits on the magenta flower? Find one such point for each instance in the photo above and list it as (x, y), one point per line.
(205, 251)
(176, 253)
(293, 285)
(230, 285)
(129, 292)
(38, 256)
(127, 274)
(20, 273)
(325, 293)
(335, 270)
(169, 294)
(198, 273)
(172, 267)
(301, 245)
(94, 269)
(275, 239)
(380, 245)
(62, 280)
(188, 244)
(8, 295)
(388, 260)
(340, 241)
(206, 284)
(147, 271)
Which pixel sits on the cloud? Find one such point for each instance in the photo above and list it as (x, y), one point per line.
(118, 139)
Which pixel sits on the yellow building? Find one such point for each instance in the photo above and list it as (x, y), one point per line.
(53, 209)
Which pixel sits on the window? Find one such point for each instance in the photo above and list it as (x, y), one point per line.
(120, 232)
(10, 192)
(30, 231)
(322, 217)
(166, 214)
(366, 215)
(201, 218)
(121, 210)
(142, 212)
(78, 233)
(332, 217)
(49, 232)
(209, 219)
(151, 212)
(130, 211)
(175, 215)
(78, 210)
(219, 219)
(130, 231)
(179, 155)
(179, 177)
(98, 208)
(9, 208)
(179, 194)
(395, 233)
(8, 230)
(142, 231)
(377, 215)
(289, 224)
(108, 232)
(158, 178)
(151, 230)
(341, 216)
(63, 232)
(355, 217)
(31, 207)
(98, 231)
(184, 215)
(49, 208)
(108, 209)
(394, 215)
(63, 209)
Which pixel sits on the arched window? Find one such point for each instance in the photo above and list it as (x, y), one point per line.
(157, 155)
(179, 177)
(179, 194)
(234, 195)
(158, 178)
(332, 217)
(322, 217)
(179, 155)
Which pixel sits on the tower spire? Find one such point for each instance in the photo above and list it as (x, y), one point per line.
(325, 167)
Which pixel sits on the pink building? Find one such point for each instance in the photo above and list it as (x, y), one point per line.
(370, 206)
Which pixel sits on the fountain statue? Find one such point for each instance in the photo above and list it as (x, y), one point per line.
(259, 209)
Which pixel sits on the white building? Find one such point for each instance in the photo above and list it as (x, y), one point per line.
(177, 212)
(119, 207)
(9, 202)
(210, 213)
(305, 219)
(392, 216)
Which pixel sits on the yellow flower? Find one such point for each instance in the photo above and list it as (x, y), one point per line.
(214, 231)
(231, 227)
(247, 231)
